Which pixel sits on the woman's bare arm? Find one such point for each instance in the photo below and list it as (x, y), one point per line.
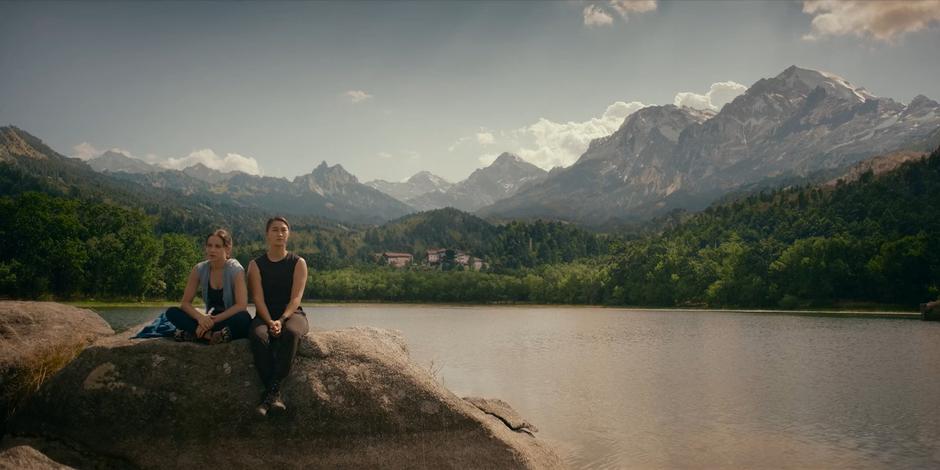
(186, 304)
(257, 293)
(297, 289)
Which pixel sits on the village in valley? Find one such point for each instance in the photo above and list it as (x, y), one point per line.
(444, 259)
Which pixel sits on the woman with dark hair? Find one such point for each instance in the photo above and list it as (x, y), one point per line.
(222, 282)
(277, 279)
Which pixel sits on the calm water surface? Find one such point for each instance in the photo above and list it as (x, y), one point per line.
(612, 388)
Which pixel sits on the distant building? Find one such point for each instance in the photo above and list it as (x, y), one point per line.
(397, 260)
(436, 255)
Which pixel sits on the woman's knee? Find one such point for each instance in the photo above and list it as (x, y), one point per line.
(174, 312)
(258, 332)
(179, 318)
(297, 325)
(239, 324)
(242, 318)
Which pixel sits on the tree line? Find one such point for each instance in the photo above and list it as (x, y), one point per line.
(70, 248)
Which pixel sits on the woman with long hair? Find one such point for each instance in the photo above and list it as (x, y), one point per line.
(222, 282)
(277, 279)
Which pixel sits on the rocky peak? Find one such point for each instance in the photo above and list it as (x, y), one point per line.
(426, 177)
(209, 175)
(117, 161)
(507, 167)
(796, 78)
(921, 102)
(335, 173)
(507, 158)
(652, 126)
(426, 181)
(668, 120)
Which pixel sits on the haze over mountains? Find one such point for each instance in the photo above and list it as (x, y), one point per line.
(784, 128)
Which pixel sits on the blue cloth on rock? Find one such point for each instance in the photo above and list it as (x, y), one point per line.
(161, 327)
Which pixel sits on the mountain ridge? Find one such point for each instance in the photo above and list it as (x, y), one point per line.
(795, 123)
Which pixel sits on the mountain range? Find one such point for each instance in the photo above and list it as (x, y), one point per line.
(802, 125)
(327, 191)
(663, 157)
(331, 191)
(501, 179)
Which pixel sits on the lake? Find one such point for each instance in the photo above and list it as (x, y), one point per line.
(616, 388)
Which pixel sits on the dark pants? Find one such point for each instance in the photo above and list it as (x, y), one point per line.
(237, 324)
(275, 355)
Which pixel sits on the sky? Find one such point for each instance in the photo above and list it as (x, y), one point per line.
(388, 89)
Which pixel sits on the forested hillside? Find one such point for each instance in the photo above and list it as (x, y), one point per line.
(876, 239)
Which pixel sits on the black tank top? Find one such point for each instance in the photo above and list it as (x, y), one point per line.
(277, 281)
(215, 301)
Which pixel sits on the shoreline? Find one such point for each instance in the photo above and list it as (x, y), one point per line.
(847, 313)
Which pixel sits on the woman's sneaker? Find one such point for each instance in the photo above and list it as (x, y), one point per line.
(275, 403)
(263, 407)
(273, 399)
(222, 336)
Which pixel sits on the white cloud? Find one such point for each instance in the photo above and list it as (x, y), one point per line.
(208, 157)
(884, 21)
(357, 96)
(717, 96)
(548, 144)
(624, 7)
(595, 16)
(85, 151)
(385, 155)
(601, 15)
(485, 138)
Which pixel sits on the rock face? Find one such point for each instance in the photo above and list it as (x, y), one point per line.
(36, 340)
(27, 458)
(354, 400)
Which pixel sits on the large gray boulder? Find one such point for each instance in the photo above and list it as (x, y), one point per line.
(36, 340)
(355, 400)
